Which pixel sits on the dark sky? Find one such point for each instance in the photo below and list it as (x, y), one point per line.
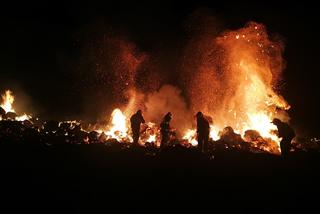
(42, 43)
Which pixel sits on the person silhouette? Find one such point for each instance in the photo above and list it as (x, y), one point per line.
(165, 129)
(286, 133)
(136, 121)
(203, 131)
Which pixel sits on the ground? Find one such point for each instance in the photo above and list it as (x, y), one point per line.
(88, 178)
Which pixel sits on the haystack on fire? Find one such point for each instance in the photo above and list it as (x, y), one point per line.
(232, 78)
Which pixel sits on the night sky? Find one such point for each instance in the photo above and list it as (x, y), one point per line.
(43, 46)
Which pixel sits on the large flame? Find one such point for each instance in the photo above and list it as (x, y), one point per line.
(237, 73)
(7, 105)
(118, 128)
(235, 85)
(7, 101)
(254, 64)
(232, 78)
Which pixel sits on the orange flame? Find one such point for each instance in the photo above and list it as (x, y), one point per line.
(7, 105)
(190, 136)
(118, 129)
(255, 62)
(232, 78)
(8, 100)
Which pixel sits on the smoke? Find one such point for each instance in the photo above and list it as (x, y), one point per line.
(168, 99)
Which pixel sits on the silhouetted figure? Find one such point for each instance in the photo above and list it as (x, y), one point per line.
(136, 121)
(286, 133)
(203, 131)
(2, 112)
(165, 129)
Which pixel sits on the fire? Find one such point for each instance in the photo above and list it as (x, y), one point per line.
(190, 136)
(214, 133)
(262, 123)
(8, 100)
(23, 117)
(118, 129)
(7, 105)
(233, 78)
(152, 139)
(254, 60)
(150, 134)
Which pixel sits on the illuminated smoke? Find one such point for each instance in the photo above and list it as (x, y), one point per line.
(168, 98)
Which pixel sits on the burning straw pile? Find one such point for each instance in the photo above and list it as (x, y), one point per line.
(231, 77)
(28, 130)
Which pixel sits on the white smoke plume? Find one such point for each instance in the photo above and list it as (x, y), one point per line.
(168, 99)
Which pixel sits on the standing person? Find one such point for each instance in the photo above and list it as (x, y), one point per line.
(165, 129)
(203, 131)
(286, 133)
(2, 112)
(136, 121)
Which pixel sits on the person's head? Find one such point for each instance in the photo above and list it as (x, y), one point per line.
(199, 114)
(276, 121)
(168, 116)
(139, 112)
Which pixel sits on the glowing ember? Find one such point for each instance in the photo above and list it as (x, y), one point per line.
(23, 117)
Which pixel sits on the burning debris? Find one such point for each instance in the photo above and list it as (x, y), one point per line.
(233, 80)
(71, 132)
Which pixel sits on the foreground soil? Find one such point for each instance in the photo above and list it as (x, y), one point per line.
(88, 178)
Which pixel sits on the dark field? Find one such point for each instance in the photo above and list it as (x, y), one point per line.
(87, 178)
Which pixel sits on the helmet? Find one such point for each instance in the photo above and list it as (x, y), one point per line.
(168, 116)
(276, 121)
(199, 114)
